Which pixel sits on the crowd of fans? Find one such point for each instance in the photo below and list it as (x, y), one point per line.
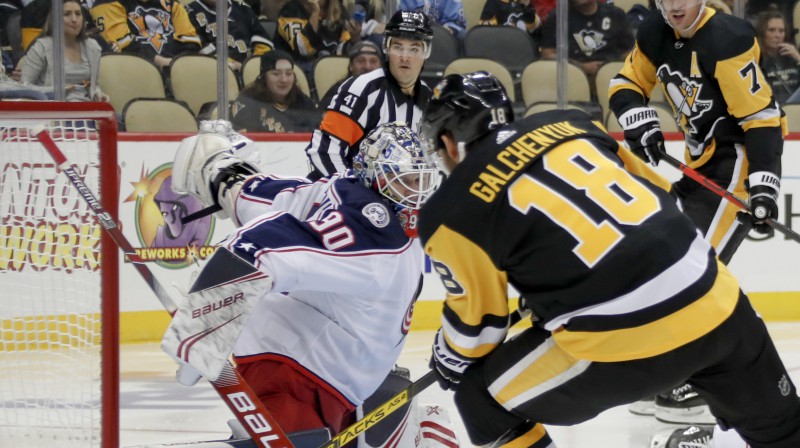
(289, 33)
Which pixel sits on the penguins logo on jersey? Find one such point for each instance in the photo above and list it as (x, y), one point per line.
(683, 95)
(589, 41)
(154, 26)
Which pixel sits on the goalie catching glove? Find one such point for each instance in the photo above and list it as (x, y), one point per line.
(449, 365)
(764, 190)
(642, 133)
(207, 164)
(207, 324)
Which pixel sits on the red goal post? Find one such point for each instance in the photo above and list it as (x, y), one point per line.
(59, 380)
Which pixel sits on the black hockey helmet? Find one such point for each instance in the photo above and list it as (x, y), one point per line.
(468, 106)
(409, 25)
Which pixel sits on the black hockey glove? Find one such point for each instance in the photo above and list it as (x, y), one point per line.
(764, 188)
(448, 365)
(643, 134)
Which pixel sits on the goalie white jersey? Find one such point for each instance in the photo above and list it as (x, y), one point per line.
(319, 241)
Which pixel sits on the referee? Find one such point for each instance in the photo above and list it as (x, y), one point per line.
(391, 93)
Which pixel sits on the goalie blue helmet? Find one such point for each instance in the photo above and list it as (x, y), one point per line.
(391, 162)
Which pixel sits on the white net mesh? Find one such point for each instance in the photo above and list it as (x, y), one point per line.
(50, 291)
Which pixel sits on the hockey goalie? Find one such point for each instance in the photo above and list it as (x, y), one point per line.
(313, 292)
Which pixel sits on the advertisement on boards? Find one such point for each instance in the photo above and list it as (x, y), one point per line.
(150, 213)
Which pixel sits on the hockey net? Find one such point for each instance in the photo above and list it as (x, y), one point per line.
(58, 279)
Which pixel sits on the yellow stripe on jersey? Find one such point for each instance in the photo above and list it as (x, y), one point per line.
(660, 336)
(112, 19)
(720, 229)
(291, 30)
(739, 75)
(725, 213)
(638, 167)
(28, 36)
(528, 439)
(475, 288)
(640, 74)
(184, 30)
(546, 367)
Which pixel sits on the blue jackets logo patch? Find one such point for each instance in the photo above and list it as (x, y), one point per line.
(377, 214)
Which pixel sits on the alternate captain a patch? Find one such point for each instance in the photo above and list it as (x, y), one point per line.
(377, 214)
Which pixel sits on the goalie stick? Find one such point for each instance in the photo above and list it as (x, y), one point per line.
(230, 386)
(398, 401)
(714, 187)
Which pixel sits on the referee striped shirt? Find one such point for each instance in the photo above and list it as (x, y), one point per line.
(362, 104)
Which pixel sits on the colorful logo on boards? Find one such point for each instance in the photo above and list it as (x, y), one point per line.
(166, 240)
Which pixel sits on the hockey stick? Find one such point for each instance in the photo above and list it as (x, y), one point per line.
(398, 401)
(230, 386)
(714, 187)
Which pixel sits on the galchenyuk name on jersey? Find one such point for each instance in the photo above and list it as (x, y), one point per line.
(516, 156)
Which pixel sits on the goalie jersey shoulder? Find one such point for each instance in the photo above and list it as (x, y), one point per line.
(375, 222)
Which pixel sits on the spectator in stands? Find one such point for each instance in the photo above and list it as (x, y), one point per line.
(272, 8)
(597, 33)
(365, 57)
(719, 6)
(7, 9)
(752, 8)
(12, 88)
(157, 30)
(779, 58)
(447, 13)
(32, 19)
(310, 29)
(35, 14)
(543, 8)
(273, 102)
(246, 36)
(81, 57)
(639, 12)
(374, 18)
(517, 13)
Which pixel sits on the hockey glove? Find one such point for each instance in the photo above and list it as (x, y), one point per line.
(449, 365)
(764, 188)
(643, 134)
(225, 129)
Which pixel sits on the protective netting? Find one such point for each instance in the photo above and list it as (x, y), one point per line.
(50, 290)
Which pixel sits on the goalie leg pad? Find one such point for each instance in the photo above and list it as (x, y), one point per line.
(377, 436)
(207, 324)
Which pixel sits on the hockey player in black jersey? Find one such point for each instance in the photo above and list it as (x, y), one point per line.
(708, 66)
(246, 36)
(629, 299)
(158, 31)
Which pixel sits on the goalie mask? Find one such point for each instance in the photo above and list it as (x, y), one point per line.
(390, 161)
